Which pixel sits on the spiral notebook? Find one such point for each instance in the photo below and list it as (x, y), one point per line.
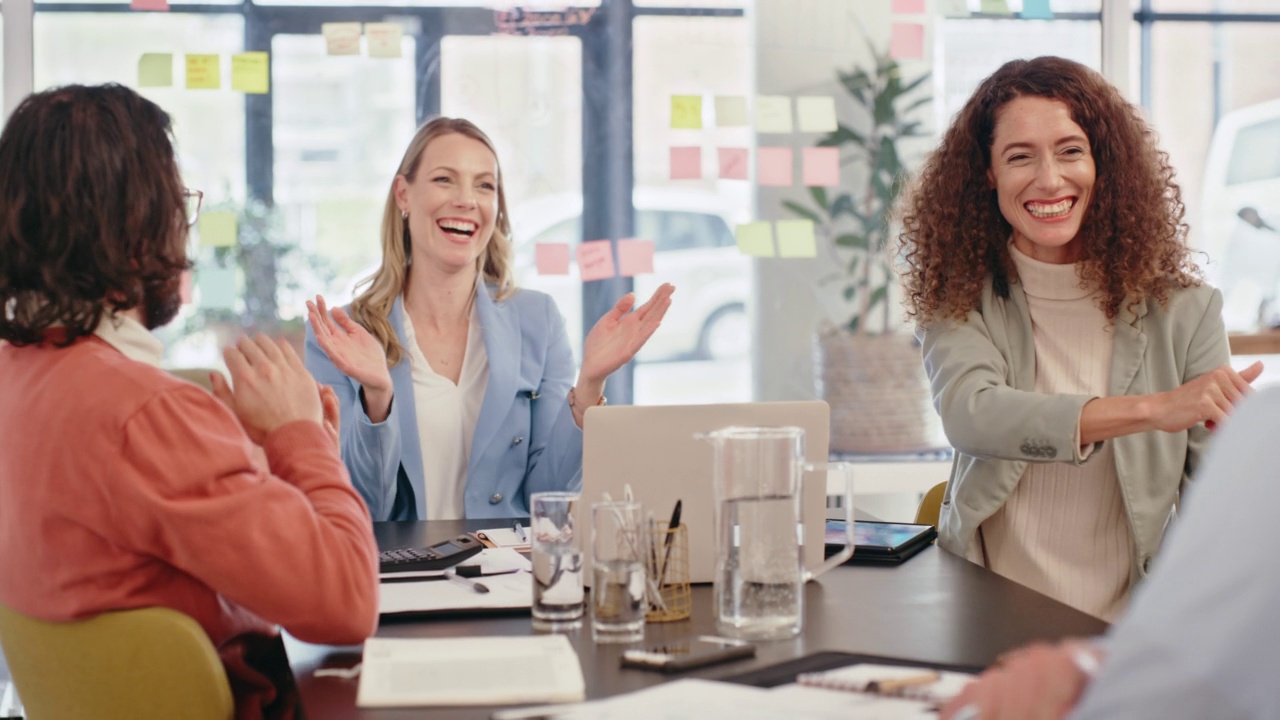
(914, 683)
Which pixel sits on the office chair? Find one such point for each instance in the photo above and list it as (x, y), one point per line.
(148, 663)
(931, 506)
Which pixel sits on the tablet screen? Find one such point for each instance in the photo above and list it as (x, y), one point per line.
(874, 534)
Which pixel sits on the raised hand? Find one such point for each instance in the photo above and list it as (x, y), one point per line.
(1207, 399)
(619, 335)
(350, 347)
(272, 388)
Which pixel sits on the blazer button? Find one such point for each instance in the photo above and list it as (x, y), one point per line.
(495, 498)
(517, 440)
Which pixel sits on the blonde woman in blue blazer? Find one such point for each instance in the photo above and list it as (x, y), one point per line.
(457, 389)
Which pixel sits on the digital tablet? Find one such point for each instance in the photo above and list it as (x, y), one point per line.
(880, 543)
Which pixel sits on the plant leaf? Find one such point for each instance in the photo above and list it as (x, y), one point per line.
(852, 325)
(912, 85)
(820, 197)
(802, 211)
(843, 205)
(849, 240)
(878, 296)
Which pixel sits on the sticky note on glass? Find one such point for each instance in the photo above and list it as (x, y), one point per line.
(155, 70)
(821, 166)
(907, 41)
(250, 73)
(816, 113)
(184, 287)
(686, 112)
(731, 111)
(204, 72)
(773, 114)
(773, 167)
(217, 229)
(595, 260)
(733, 163)
(686, 163)
(635, 257)
(755, 239)
(952, 8)
(341, 38)
(995, 7)
(796, 239)
(384, 39)
(158, 5)
(908, 7)
(1037, 10)
(217, 288)
(551, 258)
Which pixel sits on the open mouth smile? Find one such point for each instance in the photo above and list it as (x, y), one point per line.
(460, 228)
(1050, 210)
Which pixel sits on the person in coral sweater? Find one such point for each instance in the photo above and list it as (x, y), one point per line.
(122, 486)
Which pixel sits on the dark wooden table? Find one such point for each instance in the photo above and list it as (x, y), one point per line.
(936, 607)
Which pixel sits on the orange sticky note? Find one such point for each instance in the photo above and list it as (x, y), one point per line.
(595, 260)
(774, 167)
(160, 5)
(551, 258)
(341, 38)
(184, 287)
(204, 72)
(686, 163)
(635, 257)
(250, 73)
(755, 239)
(797, 239)
(733, 163)
(907, 41)
(821, 166)
(908, 7)
(384, 39)
(686, 112)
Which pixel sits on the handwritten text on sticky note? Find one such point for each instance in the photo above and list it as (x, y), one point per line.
(773, 114)
(595, 260)
(341, 38)
(635, 257)
(733, 163)
(796, 239)
(551, 258)
(755, 239)
(204, 72)
(250, 73)
(384, 39)
(686, 112)
(155, 70)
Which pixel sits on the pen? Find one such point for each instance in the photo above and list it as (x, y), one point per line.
(666, 542)
(466, 582)
(890, 686)
(520, 532)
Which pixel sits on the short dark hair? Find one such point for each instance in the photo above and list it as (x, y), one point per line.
(92, 210)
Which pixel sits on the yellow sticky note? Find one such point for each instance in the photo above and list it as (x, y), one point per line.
(341, 38)
(384, 39)
(204, 72)
(817, 113)
(686, 112)
(755, 239)
(995, 7)
(217, 229)
(155, 70)
(250, 73)
(796, 239)
(773, 114)
(731, 111)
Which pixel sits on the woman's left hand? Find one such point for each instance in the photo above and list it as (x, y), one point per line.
(619, 335)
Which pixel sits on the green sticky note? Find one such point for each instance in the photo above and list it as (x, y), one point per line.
(204, 72)
(155, 70)
(250, 73)
(217, 229)
(755, 239)
(796, 239)
(217, 288)
(995, 7)
(731, 111)
(686, 112)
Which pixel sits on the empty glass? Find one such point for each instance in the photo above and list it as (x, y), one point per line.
(619, 543)
(556, 551)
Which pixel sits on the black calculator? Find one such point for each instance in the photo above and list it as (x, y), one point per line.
(434, 557)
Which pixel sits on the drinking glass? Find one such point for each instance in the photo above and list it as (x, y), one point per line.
(556, 551)
(619, 543)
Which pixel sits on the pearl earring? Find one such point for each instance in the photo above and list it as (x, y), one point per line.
(404, 214)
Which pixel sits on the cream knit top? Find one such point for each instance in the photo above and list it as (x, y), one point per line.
(1063, 530)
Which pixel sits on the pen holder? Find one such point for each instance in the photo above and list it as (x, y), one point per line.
(668, 564)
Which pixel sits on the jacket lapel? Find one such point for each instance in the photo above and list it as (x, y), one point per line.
(501, 330)
(407, 414)
(1130, 348)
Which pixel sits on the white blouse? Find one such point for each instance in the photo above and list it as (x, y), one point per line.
(447, 416)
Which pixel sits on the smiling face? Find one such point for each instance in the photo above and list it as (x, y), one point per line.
(1043, 173)
(452, 202)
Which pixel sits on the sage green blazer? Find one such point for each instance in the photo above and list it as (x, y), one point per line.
(982, 374)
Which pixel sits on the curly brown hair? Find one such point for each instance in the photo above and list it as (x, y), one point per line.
(92, 211)
(1132, 241)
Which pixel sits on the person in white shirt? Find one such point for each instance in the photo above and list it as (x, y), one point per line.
(1201, 639)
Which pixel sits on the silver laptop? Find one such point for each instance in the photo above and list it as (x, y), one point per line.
(653, 449)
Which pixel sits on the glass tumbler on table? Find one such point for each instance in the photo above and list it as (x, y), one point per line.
(556, 551)
(619, 544)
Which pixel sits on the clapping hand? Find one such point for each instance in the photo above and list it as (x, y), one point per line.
(272, 388)
(619, 335)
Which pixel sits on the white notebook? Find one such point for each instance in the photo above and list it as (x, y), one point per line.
(915, 683)
(407, 672)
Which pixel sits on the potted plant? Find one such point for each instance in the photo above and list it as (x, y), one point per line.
(870, 370)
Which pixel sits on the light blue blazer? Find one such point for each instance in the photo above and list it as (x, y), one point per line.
(525, 441)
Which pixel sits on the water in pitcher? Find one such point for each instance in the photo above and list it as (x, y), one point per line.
(759, 587)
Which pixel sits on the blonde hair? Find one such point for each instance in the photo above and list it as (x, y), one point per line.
(372, 306)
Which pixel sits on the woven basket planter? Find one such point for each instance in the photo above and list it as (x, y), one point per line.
(878, 393)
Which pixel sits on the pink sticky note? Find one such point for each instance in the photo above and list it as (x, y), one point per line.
(160, 5)
(635, 257)
(907, 41)
(595, 260)
(686, 163)
(821, 166)
(184, 287)
(733, 163)
(551, 258)
(774, 166)
(908, 7)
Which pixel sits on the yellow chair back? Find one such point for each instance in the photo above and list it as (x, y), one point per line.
(148, 663)
(931, 506)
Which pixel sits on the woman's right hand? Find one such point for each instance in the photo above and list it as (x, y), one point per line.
(1207, 399)
(350, 347)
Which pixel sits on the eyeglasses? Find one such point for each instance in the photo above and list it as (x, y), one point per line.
(193, 199)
